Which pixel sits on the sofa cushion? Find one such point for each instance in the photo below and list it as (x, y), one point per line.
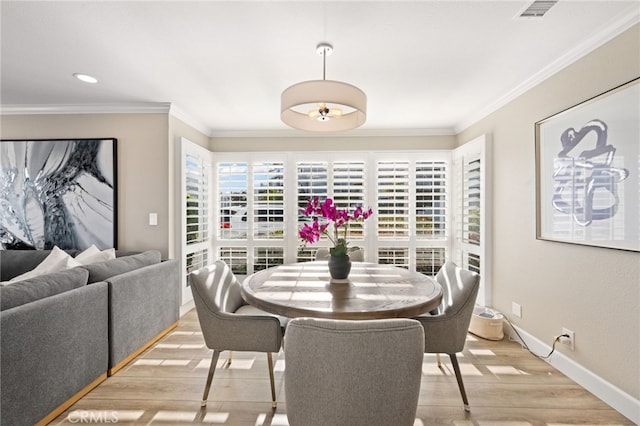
(104, 270)
(32, 289)
(57, 260)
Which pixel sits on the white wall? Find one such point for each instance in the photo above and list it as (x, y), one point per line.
(593, 291)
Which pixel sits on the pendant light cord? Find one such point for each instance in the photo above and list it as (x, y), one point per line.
(324, 64)
(324, 49)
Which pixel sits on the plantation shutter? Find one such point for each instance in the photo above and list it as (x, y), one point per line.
(268, 201)
(195, 214)
(471, 201)
(471, 180)
(232, 187)
(431, 199)
(349, 191)
(311, 181)
(197, 202)
(232, 184)
(393, 199)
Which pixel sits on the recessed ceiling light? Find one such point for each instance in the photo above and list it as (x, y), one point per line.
(86, 78)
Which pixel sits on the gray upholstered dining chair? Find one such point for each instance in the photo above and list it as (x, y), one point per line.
(356, 255)
(341, 372)
(228, 323)
(445, 330)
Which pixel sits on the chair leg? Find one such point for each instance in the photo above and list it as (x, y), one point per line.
(228, 363)
(456, 368)
(438, 361)
(273, 385)
(212, 369)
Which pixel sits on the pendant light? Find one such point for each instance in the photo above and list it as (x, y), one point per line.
(323, 105)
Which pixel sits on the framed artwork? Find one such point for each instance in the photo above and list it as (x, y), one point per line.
(58, 193)
(587, 167)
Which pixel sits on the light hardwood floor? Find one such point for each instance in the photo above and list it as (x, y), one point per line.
(506, 385)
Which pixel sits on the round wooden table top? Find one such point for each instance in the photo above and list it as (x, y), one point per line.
(372, 291)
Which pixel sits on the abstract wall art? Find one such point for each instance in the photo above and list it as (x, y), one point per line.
(58, 193)
(587, 171)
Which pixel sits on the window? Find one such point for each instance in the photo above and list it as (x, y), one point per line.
(429, 206)
(471, 201)
(252, 211)
(393, 200)
(394, 256)
(413, 211)
(235, 257)
(197, 200)
(266, 257)
(259, 225)
(345, 185)
(195, 211)
(312, 180)
(232, 182)
(268, 200)
(471, 180)
(197, 259)
(348, 191)
(431, 199)
(473, 262)
(429, 260)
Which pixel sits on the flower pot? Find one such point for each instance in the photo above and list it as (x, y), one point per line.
(339, 267)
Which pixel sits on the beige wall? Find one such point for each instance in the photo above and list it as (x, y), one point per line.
(332, 143)
(593, 291)
(143, 165)
(179, 129)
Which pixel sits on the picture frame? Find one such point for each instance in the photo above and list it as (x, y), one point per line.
(587, 167)
(58, 192)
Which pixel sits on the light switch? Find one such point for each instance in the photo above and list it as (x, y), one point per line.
(153, 219)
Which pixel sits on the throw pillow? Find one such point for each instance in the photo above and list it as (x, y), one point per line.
(57, 260)
(29, 290)
(94, 255)
(87, 253)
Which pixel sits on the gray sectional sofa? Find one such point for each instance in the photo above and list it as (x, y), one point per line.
(62, 333)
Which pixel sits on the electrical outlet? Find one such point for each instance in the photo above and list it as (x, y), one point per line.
(516, 309)
(569, 341)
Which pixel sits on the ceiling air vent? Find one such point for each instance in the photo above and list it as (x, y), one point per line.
(537, 9)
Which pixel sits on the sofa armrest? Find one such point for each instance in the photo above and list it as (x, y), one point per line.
(142, 304)
(51, 349)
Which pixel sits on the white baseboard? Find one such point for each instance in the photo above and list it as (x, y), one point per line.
(619, 400)
(186, 307)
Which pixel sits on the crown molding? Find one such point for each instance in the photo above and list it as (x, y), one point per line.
(292, 133)
(616, 27)
(176, 112)
(179, 114)
(134, 108)
(129, 108)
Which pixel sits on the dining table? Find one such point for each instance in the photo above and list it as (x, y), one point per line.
(371, 291)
